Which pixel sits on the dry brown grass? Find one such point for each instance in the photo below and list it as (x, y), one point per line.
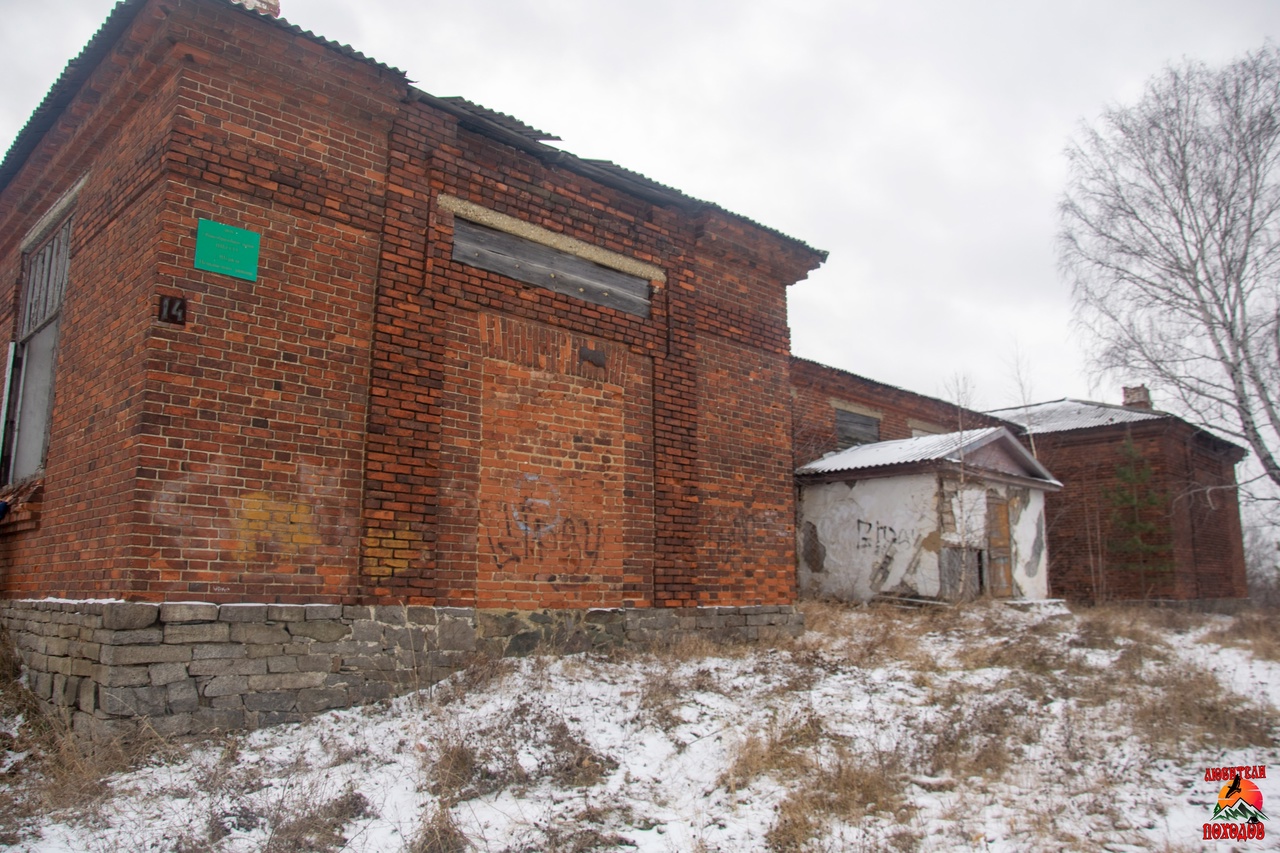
(883, 634)
(847, 788)
(62, 769)
(308, 822)
(439, 833)
(1255, 630)
(782, 750)
(1192, 708)
(972, 733)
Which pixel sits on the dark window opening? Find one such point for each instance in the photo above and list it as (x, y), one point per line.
(853, 428)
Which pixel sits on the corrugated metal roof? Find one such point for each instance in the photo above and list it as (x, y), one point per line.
(1067, 414)
(491, 122)
(509, 123)
(925, 448)
(952, 447)
(77, 71)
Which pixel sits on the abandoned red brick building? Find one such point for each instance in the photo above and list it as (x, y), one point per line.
(288, 330)
(1149, 508)
(834, 409)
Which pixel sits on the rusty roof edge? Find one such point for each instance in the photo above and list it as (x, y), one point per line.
(79, 68)
(602, 171)
(66, 87)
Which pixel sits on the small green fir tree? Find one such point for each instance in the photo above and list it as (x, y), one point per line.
(1137, 543)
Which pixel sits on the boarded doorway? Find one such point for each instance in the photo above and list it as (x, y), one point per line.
(999, 575)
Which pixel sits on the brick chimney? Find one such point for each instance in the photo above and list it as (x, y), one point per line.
(1137, 398)
(266, 7)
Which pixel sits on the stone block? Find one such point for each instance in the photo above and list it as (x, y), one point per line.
(198, 632)
(286, 681)
(278, 718)
(130, 655)
(321, 630)
(57, 646)
(227, 666)
(62, 666)
(265, 651)
(367, 631)
(227, 685)
(166, 673)
(183, 698)
(317, 663)
(242, 612)
(321, 612)
(227, 702)
(419, 615)
(188, 611)
(456, 635)
(271, 700)
(81, 650)
(282, 663)
(87, 700)
(171, 725)
(371, 691)
(252, 632)
(217, 719)
(140, 637)
(132, 701)
(122, 676)
(286, 613)
(390, 614)
(322, 699)
(218, 650)
(128, 615)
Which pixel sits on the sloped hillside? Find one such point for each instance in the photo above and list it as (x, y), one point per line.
(987, 727)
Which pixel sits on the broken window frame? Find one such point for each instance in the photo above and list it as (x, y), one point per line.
(857, 428)
(26, 410)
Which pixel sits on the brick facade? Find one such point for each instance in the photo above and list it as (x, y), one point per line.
(1194, 547)
(373, 420)
(819, 391)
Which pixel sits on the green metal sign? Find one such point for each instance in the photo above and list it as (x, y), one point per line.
(227, 249)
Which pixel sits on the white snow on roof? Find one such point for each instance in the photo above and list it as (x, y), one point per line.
(1068, 414)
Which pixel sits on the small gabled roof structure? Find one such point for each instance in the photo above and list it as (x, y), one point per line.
(1068, 414)
(992, 453)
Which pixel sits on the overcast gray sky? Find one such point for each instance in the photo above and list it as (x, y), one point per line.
(919, 142)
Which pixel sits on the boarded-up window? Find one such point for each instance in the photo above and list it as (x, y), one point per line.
(543, 266)
(853, 428)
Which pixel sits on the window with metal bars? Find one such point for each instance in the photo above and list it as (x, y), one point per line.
(28, 392)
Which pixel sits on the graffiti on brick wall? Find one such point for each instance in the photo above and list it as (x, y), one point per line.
(535, 525)
(296, 527)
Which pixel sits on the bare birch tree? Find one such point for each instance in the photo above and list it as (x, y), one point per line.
(1171, 238)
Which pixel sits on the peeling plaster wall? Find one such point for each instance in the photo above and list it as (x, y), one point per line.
(868, 536)
(1030, 551)
(862, 538)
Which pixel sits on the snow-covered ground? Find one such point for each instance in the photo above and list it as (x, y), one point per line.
(985, 728)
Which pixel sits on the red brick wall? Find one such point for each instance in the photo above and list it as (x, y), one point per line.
(83, 540)
(562, 490)
(814, 386)
(370, 419)
(1204, 557)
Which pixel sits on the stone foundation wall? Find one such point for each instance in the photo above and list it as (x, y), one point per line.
(196, 667)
